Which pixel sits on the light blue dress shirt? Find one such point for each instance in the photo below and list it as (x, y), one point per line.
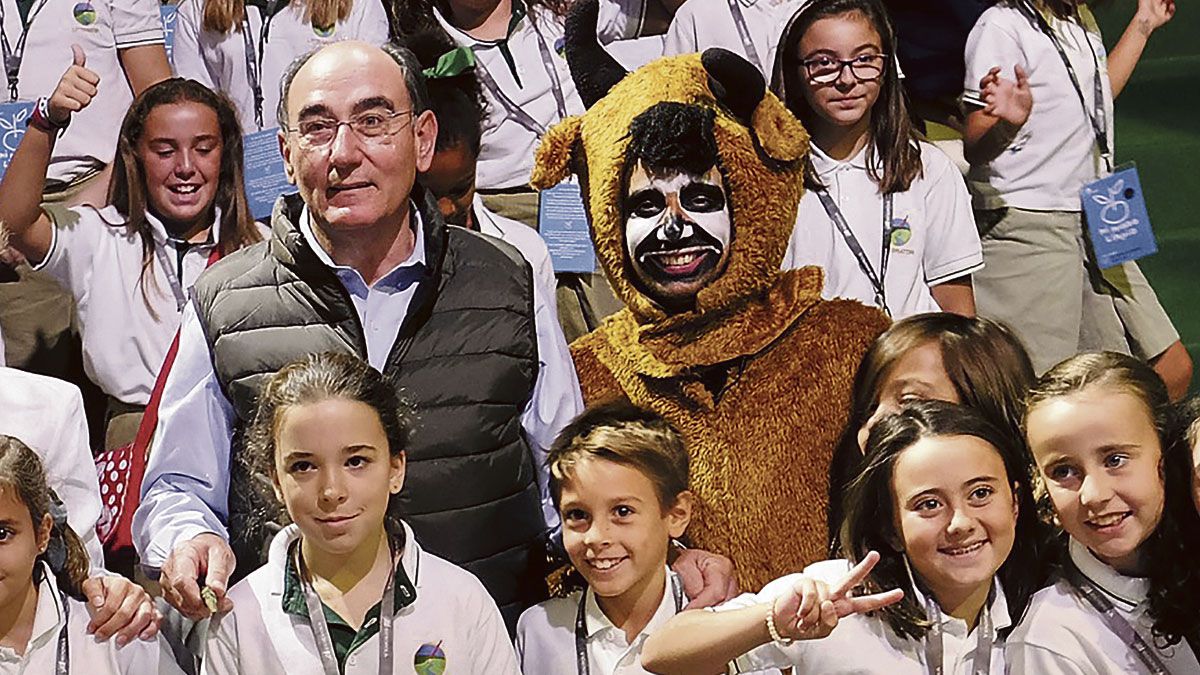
(185, 491)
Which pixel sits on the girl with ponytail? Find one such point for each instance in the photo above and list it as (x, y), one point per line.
(43, 568)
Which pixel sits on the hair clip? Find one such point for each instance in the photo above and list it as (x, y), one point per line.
(451, 64)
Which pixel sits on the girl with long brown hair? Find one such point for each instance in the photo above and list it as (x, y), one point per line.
(886, 214)
(242, 49)
(176, 202)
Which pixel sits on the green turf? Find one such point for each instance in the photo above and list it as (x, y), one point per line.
(1158, 126)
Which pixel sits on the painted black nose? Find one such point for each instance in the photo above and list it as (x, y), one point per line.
(673, 230)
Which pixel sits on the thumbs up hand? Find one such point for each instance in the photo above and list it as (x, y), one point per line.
(75, 90)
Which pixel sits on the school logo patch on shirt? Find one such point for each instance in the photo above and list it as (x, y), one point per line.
(324, 32)
(430, 659)
(901, 232)
(84, 13)
(560, 47)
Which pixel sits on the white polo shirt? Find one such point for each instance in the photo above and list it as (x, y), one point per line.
(618, 26)
(934, 239)
(1062, 633)
(101, 28)
(452, 616)
(126, 333)
(87, 655)
(866, 644)
(524, 238)
(700, 24)
(1055, 151)
(46, 414)
(508, 146)
(220, 60)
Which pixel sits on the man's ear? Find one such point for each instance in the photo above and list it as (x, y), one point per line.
(425, 130)
(680, 514)
(552, 162)
(286, 152)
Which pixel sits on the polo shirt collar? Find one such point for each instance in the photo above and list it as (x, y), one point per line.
(824, 164)
(404, 580)
(597, 622)
(998, 607)
(47, 617)
(398, 278)
(158, 231)
(1131, 591)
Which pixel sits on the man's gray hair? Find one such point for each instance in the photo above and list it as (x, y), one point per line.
(414, 79)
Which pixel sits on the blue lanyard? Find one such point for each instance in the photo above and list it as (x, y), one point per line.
(14, 57)
(877, 279)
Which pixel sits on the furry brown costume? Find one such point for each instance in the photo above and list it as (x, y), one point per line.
(757, 376)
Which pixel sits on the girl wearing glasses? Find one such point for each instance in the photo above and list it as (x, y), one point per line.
(1044, 129)
(886, 214)
(176, 203)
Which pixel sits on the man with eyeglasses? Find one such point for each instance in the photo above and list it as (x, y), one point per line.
(361, 261)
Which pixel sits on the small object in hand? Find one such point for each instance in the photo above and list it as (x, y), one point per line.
(210, 598)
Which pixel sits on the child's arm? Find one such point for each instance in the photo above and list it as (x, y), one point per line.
(1151, 15)
(956, 296)
(705, 641)
(991, 129)
(21, 191)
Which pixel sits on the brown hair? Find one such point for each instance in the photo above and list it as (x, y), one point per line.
(892, 145)
(870, 508)
(128, 190)
(312, 379)
(21, 471)
(1173, 547)
(984, 360)
(222, 16)
(623, 433)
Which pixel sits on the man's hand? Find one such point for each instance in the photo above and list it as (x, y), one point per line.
(707, 577)
(204, 557)
(1007, 100)
(120, 607)
(74, 91)
(813, 608)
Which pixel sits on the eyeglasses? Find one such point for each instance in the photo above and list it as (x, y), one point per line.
(319, 132)
(826, 69)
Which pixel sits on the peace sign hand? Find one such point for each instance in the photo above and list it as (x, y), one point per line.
(813, 608)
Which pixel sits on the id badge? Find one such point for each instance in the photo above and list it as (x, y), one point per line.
(563, 224)
(13, 116)
(1117, 220)
(266, 178)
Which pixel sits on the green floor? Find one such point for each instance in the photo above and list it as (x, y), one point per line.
(1158, 126)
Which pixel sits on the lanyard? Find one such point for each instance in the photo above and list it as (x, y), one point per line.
(582, 666)
(514, 111)
(316, 616)
(254, 58)
(739, 21)
(985, 636)
(1099, 119)
(877, 279)
(14, 57)
(62, 657)
(1114, 621)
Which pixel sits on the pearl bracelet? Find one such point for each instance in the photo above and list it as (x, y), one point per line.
(779, 639)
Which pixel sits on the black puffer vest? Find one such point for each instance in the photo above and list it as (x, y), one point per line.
(465, 357)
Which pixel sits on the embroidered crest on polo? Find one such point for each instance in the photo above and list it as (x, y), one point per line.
(430, 659)
(324, 31)
(84, 13)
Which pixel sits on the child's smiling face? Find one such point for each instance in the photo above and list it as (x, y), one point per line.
(1100, 457)
(20, 545)
(334, 473)
(615, 529)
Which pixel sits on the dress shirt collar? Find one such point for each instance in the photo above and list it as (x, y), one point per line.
(398, 278)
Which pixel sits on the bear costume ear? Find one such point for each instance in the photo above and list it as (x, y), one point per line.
(553, 161)
(740, 88)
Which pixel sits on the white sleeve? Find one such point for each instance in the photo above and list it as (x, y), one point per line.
(76, 234)
(185, 491)
(71, 472)
(373, 26)
(492, 650)
(556, 398)
(189, 59)
(221, 646)
(136, 23)
(681, 34)
(148, 656)
(992, 42)
(952, 248)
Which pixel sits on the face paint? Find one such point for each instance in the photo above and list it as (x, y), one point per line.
(677, 232)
